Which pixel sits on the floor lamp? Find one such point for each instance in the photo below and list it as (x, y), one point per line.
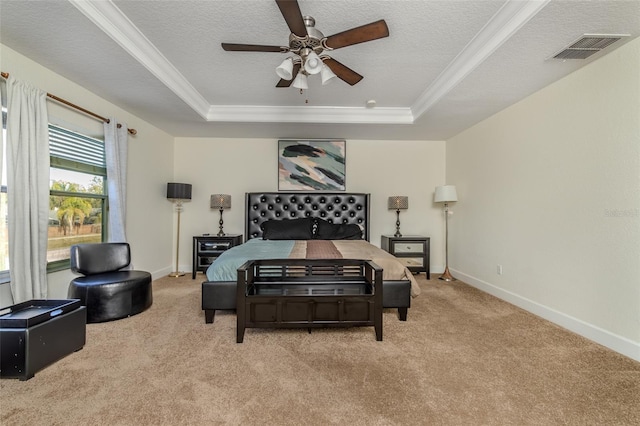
(177, 193)
(446, 194)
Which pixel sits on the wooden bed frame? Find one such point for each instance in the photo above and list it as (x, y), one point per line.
(346, 208)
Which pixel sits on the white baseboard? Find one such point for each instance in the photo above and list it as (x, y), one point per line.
(612, 341)
(167, 270)
(161, 273)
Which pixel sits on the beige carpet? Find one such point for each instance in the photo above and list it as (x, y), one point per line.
(462, 358)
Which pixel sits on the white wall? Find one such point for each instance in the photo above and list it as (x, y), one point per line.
(382, 168)
(549, 189)
(150, 166)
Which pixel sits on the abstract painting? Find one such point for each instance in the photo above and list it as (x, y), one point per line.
(317, 164)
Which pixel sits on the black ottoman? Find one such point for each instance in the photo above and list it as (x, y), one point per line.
(108, 292)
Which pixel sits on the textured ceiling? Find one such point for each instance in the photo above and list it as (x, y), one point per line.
(445, 66)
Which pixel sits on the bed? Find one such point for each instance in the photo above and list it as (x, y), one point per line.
(276, 227)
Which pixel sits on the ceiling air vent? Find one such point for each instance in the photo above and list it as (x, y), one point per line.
(587, 45)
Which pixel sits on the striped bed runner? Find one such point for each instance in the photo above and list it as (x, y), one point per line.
(322, 249)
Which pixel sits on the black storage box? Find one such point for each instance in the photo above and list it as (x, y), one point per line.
(36, 333)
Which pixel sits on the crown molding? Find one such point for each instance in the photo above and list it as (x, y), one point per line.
(110, 19)
(509, 19)
(106, 16)
(309, 114)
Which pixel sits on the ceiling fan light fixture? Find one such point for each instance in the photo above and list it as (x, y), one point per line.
(313, 64)
(301, 81)
(327, 75)
(285, 69)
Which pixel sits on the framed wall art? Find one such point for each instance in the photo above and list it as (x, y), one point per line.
(315, 164)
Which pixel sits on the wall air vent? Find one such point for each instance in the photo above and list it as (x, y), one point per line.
(587, 45)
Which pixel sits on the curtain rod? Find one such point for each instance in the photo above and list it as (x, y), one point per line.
(79, 108)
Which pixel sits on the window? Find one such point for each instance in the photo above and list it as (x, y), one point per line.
(78, 200)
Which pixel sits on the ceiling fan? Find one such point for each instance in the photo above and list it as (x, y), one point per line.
(309, 45)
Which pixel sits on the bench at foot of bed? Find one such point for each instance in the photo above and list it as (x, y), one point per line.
(221, 295)
(210, 314)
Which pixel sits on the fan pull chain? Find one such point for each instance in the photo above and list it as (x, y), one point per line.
(306, 101)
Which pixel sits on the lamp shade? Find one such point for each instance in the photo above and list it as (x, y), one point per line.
(327, 75)
(445, 194)
(221, 201)
(285, 69)
(313, 63)
(300, 82)
(398, 202)
(178, 191)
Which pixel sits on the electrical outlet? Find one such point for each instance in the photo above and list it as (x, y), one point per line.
(499, 270)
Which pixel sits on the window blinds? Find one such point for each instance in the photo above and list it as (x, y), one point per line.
(69, 145)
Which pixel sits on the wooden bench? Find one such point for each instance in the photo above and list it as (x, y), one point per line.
(303, 293)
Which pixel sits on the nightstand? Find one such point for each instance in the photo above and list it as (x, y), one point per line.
(411, 250)
(206, 248)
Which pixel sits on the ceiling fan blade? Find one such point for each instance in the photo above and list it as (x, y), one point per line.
(293, 17)
(294, 73)
(235, 47)
(368, 32)
(343, 72)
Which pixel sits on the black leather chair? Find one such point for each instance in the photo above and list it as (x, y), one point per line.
(108, 292)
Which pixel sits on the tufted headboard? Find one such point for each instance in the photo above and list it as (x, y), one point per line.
(334, 207)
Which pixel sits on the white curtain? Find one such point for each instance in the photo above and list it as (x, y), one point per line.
(27, 189)
(3, 101)
(115, 141)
